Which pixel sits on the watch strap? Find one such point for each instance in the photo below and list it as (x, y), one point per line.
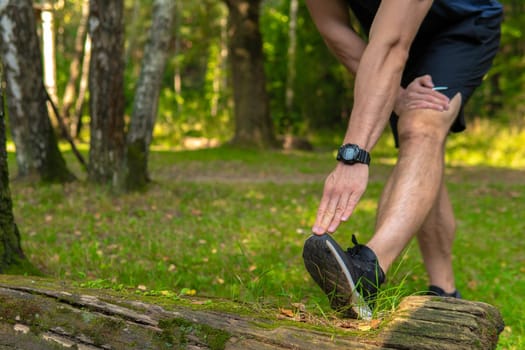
(361, 156)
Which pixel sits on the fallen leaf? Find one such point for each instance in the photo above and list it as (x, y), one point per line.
(375, 323)
(287, 312)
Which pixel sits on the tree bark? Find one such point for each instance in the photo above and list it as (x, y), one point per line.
(37, 153)
(145, 104)
(70, 92)
(106, 88)
(177, 78)
(253, 125)
(76, 122)
(37, 313)
(291, 71)
(12, 258)
(48, 49)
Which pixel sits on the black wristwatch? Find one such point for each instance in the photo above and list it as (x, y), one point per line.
(351, 154)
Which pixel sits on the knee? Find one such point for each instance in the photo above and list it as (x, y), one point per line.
(414, 130)
(425, 125)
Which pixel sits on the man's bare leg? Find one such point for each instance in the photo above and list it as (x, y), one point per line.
(414, 185)
(435, 242)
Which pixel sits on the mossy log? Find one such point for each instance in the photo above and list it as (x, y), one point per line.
(47, 314)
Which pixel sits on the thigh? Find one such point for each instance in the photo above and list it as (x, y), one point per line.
(458, 57)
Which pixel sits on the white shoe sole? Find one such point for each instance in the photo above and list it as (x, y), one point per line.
(359, 305)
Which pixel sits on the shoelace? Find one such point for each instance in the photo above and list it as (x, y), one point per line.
(356, 248)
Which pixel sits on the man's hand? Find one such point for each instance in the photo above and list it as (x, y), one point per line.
(419, 95)
(343, 189)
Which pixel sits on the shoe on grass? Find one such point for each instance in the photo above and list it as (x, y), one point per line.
(350, 279)
(437, 291)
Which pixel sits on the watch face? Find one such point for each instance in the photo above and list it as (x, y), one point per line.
(349, 153)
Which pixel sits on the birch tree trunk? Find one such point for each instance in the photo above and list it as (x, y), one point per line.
(253, 125)
(145, 104)
(48, 48)
(106, 88)
(37, 153)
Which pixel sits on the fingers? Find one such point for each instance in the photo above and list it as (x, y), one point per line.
(342, 191)
(424, 97)
(330, 213)
(426, 81)
(428, 102)
(326, 211)
(338, 212)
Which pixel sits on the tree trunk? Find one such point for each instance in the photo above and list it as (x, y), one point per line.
(12, 258)
(40, 314)
(37, 152)
(219, 81)
(253, 125)
(76, 122)
(106, 88)
(291, 71)
(145, 104)
(70, 92)
(47, 18)
(48, 48)
(177, 78)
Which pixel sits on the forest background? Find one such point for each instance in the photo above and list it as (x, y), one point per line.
(309, 91)
(239, 187)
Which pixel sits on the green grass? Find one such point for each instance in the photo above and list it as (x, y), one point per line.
(231, 223)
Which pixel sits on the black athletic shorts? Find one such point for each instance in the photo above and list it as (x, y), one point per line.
(455, 49)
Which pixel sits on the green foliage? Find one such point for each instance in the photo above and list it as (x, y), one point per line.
(322, 87)
(503, 90)
(488, 144)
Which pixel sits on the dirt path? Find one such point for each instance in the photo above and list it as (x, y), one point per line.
(241, 173)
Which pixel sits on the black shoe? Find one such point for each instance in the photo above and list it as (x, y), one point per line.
(436, 291)
(350, 279)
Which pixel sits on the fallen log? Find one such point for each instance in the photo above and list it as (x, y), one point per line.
(39, 313)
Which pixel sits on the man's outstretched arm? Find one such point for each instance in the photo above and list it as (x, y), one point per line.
(376, 88)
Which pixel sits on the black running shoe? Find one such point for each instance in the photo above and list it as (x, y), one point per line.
(350, 279)
(436, 291)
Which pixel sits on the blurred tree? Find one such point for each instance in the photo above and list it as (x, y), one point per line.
(75, 72)
(48, 47)
(75, 123)
(106, 90)
(37, 153)
(145, 103)
(253, 125)
(12, 258)
(292, 58)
